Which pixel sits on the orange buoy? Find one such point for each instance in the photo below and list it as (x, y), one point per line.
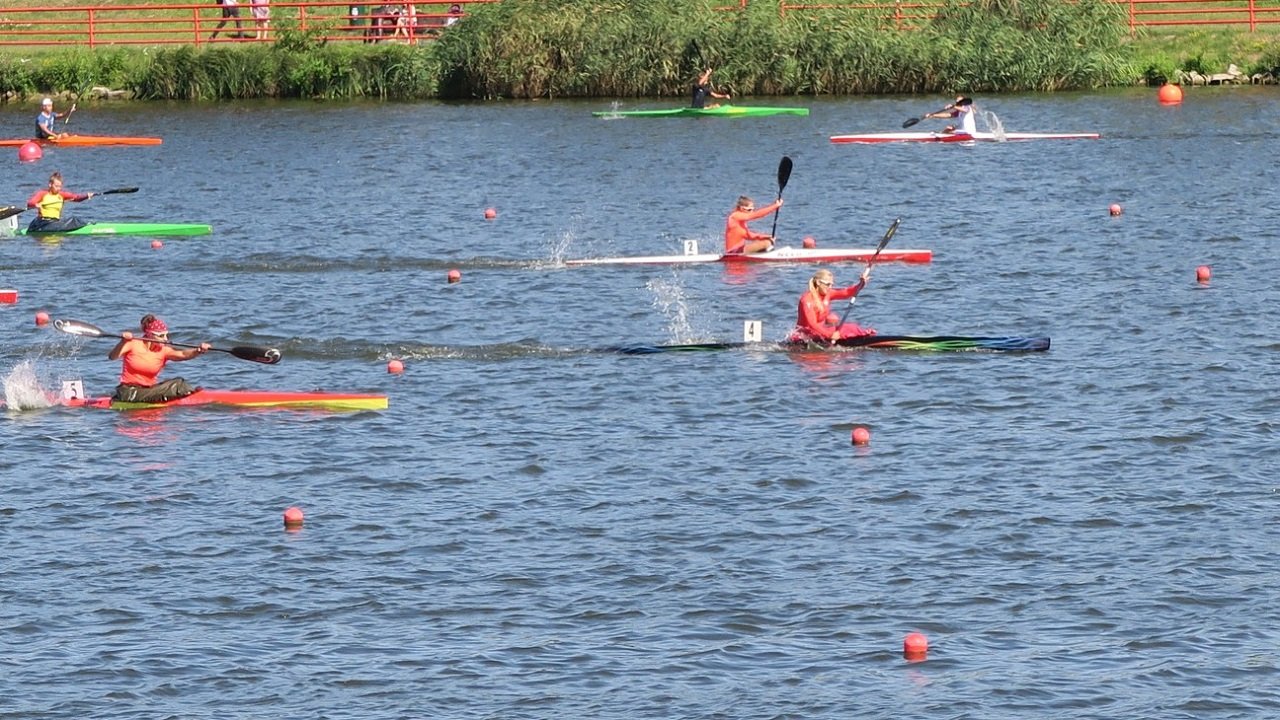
(42, 318)
(1203, 274)
(1169, 94)
(490, 213)
(395, 367)
(293, 518)
(30, 152)
(809, 242)
(861, 436)
(1115, 209)
(455, 276)
(156, 244)
(915, 646)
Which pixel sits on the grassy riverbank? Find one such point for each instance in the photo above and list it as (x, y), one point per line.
(653, 48)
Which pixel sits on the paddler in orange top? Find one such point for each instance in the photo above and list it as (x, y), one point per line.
(144, 358)
(815, 322)
(48, 204)
(740, 239)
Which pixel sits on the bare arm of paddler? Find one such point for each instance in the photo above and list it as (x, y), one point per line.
(170, 353)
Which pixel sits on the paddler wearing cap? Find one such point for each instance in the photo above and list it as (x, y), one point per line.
(814, 322)
(45, 129)
(144, 358)
(48, 202)
(962, 111)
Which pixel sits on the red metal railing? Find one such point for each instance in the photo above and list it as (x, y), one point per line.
(375, 21)
(186, 24)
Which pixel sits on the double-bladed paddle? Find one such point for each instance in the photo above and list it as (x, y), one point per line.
(915, 120)
(266, 356)
(117, 191)
(11, 210)
(784, 174)
(8, 212)
(83, 89)
(883, 241)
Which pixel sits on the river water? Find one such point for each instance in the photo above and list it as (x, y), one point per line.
(536, 530)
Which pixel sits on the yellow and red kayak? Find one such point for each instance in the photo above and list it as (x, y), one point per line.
(85, 141)
(247, 398)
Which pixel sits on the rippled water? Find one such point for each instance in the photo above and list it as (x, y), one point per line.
(535, 530)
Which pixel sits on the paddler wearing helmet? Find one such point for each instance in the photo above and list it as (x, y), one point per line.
(143, 359)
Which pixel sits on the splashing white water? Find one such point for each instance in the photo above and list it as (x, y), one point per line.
(669, 299)
(993, 124)
(22, 389)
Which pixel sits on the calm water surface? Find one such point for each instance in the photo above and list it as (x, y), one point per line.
(535, 530)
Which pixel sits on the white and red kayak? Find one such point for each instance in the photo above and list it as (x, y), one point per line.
(245, 398)
(896, 137)
(777, 255)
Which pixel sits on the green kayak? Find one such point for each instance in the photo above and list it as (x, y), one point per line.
(124, 228)
(722, 111)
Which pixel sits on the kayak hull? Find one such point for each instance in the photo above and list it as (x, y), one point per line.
(722, 111)
(126, 228)
(247, 398)
(932, 137)
(84, 141)
(778, 255)
(926, 343)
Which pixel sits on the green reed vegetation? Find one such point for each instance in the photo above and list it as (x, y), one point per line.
(651, 48)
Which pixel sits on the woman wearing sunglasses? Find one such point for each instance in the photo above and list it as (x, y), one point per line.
(143, 359)
(815, 323)
(740, 239)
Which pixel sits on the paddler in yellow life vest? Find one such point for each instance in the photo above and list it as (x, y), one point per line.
(48, 204)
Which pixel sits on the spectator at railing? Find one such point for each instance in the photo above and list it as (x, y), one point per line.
(455, 13)
(230, 9)
(261, 17)
(406, 22)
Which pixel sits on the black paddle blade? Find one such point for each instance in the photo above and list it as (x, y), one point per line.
(8, 212)
(784, 173)
(910, 122)
(266, 356)
(889, 234)
(119, 191)
(75, 327)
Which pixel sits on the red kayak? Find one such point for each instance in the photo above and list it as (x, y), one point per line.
(85, 141)
(247, 398)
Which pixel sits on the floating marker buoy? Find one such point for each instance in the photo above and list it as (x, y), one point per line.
(395, 367)
(8, 296)
(490, 213)
(42, 318)
(1203, 274)
(454, 276)
(915, 646)
(809, 242)
(1115, 209)
(861, 436)
(30, 152)
(293, 518)
(1169, 94)
(156, 244)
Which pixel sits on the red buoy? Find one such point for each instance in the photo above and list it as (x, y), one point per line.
(156, 244)
(455, 276)
(809, 242)
(915, 646)
(1170, 94)
(861, 436)
(42, 318)
(1115, 209)
(1203, 274)
(490, 213)
(293, 518)
(395, 367)
(30, 152)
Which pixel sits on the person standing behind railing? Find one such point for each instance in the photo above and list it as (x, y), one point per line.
(230, 10)
(261, 17)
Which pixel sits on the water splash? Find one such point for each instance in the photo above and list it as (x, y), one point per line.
(22, 388)
(669, 299)
(993, 124)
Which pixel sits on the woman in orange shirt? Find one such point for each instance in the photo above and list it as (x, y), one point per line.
(815, 322)
(738, 238)
(144, 358)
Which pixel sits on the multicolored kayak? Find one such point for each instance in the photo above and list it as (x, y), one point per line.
(891, 137)
(247, 398)
(935, 343)
(125, 228)
(85, 141)
(782, 254)
(722, 111)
